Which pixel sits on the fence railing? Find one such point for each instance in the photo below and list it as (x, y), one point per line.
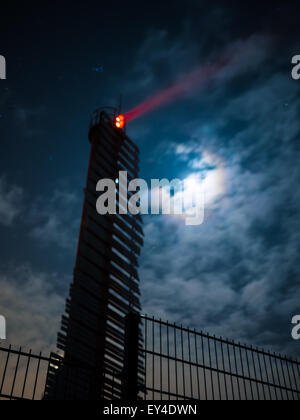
(23, 374)
(170, 363)
(183, 364)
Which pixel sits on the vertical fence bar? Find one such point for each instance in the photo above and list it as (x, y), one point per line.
(243, 371)
(37, 375)
(295, 381)
(160, 361)
(5, 369)
(223, 363)
(267, 375)
(210, 368)
(190, 362)
(284, 380)
(298, 370)
(236, 369)
(176, 372)
(168, 350)
(47, 375)
(182, 353)
(273, 376)
(289, 377)
(278, 376)
(261, 375)
(217, 366)
(204, 369)
(230, 370)
(16, 371)
(26, 373)
(153, 360)
(130, 373)
(145, 355)
(255, 374)
(249, 374)
(197, 362)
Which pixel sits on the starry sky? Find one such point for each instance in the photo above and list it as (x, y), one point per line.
(233, 122)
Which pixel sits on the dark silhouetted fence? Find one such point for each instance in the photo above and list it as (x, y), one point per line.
(183, 364)
(169, 363)
(23, 374)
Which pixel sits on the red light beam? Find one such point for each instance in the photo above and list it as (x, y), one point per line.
(229, 62)
(196, 78)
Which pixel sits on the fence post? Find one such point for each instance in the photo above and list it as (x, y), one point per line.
(131, 353)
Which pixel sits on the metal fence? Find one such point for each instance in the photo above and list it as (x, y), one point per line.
(183, 364)
(162, 361)
(23, 374)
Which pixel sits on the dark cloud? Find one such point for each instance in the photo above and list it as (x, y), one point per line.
(31, 305)
(54, 219)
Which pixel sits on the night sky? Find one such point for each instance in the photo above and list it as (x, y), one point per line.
(236, 275)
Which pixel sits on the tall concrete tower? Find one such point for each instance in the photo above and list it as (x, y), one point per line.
(106, 283)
